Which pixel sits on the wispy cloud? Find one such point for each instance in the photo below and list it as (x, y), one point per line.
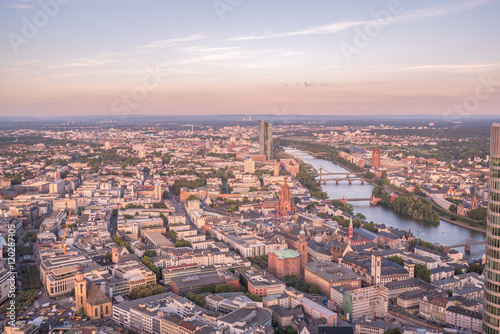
(166, 43)
(82, 63)
(455, 67)
(324, 29)
(409, 16)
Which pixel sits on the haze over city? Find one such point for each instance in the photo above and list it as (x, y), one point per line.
(251, 57)
(249, 167)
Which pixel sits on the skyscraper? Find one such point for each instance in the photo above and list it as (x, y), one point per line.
(491, 314)
(376, 158)
(266, 139)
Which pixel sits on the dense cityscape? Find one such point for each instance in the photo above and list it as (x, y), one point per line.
(249, 167)
(232, 228)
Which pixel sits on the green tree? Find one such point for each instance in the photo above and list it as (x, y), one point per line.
(207, 288)
(255, 298)
(396, 259)
(369, 175)
(172, 235)
(146, 291)
(182, 243)
(478, 214)
(150, 253)
(314, 288)
(475, 268)
(197, 299)
(371, 227)
(361, 216)
(422, 272)
(224, 287)
(393, 331)
(192, 198)
(458, 271)
(453, 208)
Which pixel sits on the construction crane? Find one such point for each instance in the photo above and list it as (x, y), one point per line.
(63, 242)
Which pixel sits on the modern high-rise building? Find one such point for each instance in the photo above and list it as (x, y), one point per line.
(266, 139)
(376, 158)
(491, 314)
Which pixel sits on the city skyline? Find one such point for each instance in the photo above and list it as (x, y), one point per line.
(220, 57)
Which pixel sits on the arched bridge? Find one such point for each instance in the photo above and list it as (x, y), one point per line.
(373, 200)
(306, 153)
(467, 243)
(348, 176)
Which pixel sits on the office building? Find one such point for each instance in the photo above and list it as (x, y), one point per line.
(491, 315)
(181, 285)
(266, 139)
(326, 274)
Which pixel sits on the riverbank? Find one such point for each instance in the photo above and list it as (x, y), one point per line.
(474, 228)
(443, 232)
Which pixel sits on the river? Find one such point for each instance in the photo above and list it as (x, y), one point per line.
(443, 232)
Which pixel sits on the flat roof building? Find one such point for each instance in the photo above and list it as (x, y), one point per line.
(193, 283)
(327, 274)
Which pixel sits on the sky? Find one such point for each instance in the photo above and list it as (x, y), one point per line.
(202, 57)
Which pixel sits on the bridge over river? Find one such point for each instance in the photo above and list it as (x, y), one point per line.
(358, 195)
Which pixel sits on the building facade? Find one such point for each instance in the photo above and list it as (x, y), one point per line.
(89, 299)
(491, 315)
(266, 139)
(326, 274)
(284, 262)
(376, 158)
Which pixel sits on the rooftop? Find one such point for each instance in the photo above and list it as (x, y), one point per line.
(286, 253)
(331, 271)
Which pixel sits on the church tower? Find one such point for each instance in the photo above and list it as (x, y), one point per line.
(302, 248)
(473, 202)
(351, 230)
(376, 270)
(80, 291)
(285, 204)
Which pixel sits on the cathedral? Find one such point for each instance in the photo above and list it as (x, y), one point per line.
(285, 207)
(89, 299)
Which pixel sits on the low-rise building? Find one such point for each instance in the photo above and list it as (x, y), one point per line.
(366, 302)
(260, 282)
(464, 319)
(245, 320)
(193, 283)
(327, 274)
